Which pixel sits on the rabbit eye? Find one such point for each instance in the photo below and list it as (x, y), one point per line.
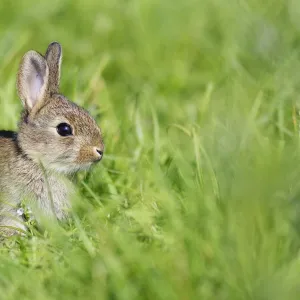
(64, 129)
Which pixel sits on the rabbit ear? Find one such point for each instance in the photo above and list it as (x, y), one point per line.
(32, 81)
(54, 57)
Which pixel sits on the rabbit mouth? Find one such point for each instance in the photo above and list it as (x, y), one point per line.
(97, 159)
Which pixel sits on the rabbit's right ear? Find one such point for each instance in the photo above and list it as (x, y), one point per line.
(54, 57)
(32, 81)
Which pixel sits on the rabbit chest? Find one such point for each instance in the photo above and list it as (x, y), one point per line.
(50, 192)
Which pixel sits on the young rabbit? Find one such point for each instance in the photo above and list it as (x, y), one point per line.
(55, 138)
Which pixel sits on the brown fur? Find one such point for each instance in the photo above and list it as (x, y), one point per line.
(37, 157)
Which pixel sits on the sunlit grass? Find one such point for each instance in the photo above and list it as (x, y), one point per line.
(197, 194)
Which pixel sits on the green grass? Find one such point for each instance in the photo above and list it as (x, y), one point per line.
(198, 194)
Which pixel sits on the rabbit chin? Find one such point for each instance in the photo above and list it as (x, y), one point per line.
(63, 165)
(68, 168)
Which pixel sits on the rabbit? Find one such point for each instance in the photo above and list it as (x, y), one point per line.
(55, 138)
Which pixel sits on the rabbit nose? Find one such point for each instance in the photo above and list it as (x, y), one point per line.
(99, 153)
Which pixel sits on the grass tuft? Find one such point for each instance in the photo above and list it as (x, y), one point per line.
(197, 196)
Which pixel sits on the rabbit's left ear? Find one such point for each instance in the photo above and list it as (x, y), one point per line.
(32, 81)
(53, 57)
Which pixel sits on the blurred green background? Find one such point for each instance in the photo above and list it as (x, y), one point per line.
(198, 194)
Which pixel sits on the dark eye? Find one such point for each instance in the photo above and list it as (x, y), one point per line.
(64, 129)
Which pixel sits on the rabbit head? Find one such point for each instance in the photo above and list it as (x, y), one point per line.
(54, 131)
